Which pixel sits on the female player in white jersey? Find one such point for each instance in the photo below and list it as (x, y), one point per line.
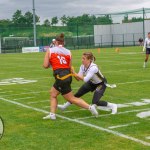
(147, 47)
(94, 81)
(59, 58)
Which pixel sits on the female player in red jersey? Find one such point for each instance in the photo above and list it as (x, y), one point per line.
(59, 58)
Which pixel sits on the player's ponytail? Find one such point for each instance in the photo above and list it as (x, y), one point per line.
(60, 39)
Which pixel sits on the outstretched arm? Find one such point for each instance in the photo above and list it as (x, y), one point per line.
(46, 63)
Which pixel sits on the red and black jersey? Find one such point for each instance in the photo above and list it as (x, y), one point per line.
(60, 57)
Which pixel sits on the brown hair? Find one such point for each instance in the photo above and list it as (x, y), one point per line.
(60, 38)
(89, 55)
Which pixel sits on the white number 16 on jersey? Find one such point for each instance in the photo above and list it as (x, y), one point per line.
(62, 59)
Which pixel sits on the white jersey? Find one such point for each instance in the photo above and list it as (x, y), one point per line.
(147, 43)
(92, 73)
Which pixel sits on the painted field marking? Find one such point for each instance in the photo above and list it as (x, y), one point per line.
(144, 102)
(81, 122)
(23, 98)
(16, 81)
(123, 112)
(148, 137)
(144, 114)
(132, 82)
(123, 70)
(123, 125)
(3, 92)
(25, 93)
(39, 102)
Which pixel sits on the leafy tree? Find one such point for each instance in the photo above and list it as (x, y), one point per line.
(5, 22)
(125, 20)
(54, 21)
(104, 20)
(18, 18)
(64, 20)
(25, 20)
(47, 23)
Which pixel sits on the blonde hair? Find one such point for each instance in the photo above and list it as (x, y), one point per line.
(89, 56)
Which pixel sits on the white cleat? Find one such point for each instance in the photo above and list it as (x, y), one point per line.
(61, 107)
(114, 109)
(93, 110)
(50, 116)
(144, 65)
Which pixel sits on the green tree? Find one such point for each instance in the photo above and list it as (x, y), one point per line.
(64, 20)
(54, 21)
(18, 18)
(125, 20)
(47, 23)
(5, 22)
(104, 20)
(29, 18)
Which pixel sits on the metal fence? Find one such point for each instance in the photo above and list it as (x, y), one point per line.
(80, 42)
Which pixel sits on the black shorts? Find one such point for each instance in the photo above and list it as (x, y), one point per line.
(147, 50)
(63, 86)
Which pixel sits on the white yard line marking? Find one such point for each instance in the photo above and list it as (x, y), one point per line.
(124, 112)
(124, 70)
(143, 114)
(3, 92)
(81, 122)
(148, 137)
(133, 82)
(23, 98)
(25, 93)
(39, 102)
(123, 125)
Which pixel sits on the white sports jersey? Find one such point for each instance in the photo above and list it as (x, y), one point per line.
(147, 43)
(92, 73)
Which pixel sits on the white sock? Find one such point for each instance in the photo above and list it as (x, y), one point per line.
(52, 114)
(67, 104)
(110, 105)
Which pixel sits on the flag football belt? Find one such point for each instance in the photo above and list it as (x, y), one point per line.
(65, 77)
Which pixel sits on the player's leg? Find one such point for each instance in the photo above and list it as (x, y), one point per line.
(147, 57)
(99, 92)
(53, 104)
(80, 102)
(85, 88)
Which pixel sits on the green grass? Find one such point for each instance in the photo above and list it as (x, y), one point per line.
(25, 129)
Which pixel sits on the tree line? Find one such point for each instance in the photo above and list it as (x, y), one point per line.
(26, 20)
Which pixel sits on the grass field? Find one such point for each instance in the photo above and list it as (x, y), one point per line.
(24, 100)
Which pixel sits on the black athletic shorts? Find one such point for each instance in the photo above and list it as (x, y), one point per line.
(63, 86)
(147, 50)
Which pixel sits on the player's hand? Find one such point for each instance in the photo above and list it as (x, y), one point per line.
(72, 70)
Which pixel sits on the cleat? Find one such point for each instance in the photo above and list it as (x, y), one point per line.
(50, 116)
(61, 107)
(114, 109)
(93, 110)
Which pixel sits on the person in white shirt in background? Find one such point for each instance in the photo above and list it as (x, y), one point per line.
(94, 82)
(147, 47)
(53, 43)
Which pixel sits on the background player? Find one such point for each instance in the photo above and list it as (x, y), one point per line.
(147, 47)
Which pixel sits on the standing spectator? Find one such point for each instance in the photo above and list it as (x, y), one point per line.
(53, 43)
(141, 41)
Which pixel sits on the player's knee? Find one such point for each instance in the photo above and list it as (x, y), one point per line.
(53, 94)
